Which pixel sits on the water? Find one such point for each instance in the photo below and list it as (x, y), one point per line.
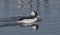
(49, 11)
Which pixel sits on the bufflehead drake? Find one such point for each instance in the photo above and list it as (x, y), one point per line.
(29, 20)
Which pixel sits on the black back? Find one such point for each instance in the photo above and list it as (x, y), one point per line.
(27, 17)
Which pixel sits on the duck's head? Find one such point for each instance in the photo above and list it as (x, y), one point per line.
(35, 27)
(34, 13)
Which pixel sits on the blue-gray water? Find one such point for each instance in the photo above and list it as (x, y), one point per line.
(49, 10)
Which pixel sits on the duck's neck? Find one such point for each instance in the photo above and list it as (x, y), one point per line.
(33, 17)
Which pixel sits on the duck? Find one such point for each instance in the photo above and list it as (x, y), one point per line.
(29, 20)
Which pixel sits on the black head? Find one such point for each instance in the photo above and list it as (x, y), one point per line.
(34, 13)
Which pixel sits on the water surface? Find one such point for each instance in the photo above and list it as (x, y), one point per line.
(49, 11)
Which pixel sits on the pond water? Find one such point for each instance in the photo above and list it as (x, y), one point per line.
(49, 10)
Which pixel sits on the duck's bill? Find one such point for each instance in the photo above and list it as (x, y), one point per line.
(38, 16)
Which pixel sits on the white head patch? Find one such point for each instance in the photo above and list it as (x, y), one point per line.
(33, 13)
